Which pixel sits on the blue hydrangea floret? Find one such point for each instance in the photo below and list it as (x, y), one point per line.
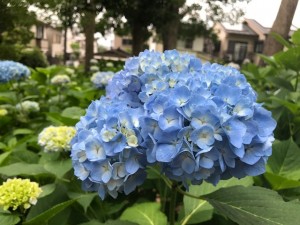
(10, 70)
(194, 121)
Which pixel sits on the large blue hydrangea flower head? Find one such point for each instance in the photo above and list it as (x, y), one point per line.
(195, 121)
(10, 70)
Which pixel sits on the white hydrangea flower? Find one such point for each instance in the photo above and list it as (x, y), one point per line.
(28, 107)
(54, 139)
(60, 79)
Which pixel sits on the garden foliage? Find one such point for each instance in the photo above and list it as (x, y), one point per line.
(153, 108)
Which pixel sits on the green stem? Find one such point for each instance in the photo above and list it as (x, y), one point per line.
(172, 208)
(59, 96)
(297, 79)
(170, 185)
(179, 190)
(165, 179)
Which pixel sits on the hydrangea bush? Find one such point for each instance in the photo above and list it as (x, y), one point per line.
(10, 70)
(195, 121)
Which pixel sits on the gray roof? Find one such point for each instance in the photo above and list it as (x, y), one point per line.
(260, 28)
(242, 29)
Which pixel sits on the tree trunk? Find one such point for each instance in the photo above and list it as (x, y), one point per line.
(65, 44)
(170, 28)
(89, 25)
(280, 26)
(138, 38)
(169, 35)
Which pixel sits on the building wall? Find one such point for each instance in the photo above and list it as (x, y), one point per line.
(197, 45)
(118, 43)
(222, 35)
(55, 42)
(50, 43)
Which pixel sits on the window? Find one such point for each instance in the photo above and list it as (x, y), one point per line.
(39, 31)
(57, 38)
(259, 46)
(188, 43)
(238, 50)
(126, 41)
(231, 47)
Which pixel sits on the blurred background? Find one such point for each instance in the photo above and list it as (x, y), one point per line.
(72, 32)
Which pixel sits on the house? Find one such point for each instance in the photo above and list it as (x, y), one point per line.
(48, 39)
(198, 46)
(51, 42)
(237, 42)
(241, 41)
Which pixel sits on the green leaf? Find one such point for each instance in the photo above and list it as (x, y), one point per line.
(59, 168)
(59, 120)
(73, 112)
(48, 214)
(268, 60)
(12, 142)
(47, 190)
(3, 156)
(25, 156)
(109, 222)
(145, 213)
(83, 199)
(8, 219)
(278, 182)
(9, 97)
(296, 37)
(3, 146)
(280, 82)
(254, 206)
(22, 131)
(21, 168)
(285, 159)
(290, 58)
(289, 105)
(199, 210)
(92, 222)
(281, 40)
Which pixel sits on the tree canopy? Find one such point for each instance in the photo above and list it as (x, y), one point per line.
(15, 21)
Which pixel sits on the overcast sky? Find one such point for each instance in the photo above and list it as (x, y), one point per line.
(265, 11)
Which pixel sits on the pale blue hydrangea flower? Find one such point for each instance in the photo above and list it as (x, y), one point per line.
(101, 79)
(195, 121)
(10, 70)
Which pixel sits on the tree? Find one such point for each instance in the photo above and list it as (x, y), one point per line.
(75, 11)
(173, 11)
(15, 22)
(281, 26)
(164, 15)
(89, 10)
(139, 15)
(168, 22)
